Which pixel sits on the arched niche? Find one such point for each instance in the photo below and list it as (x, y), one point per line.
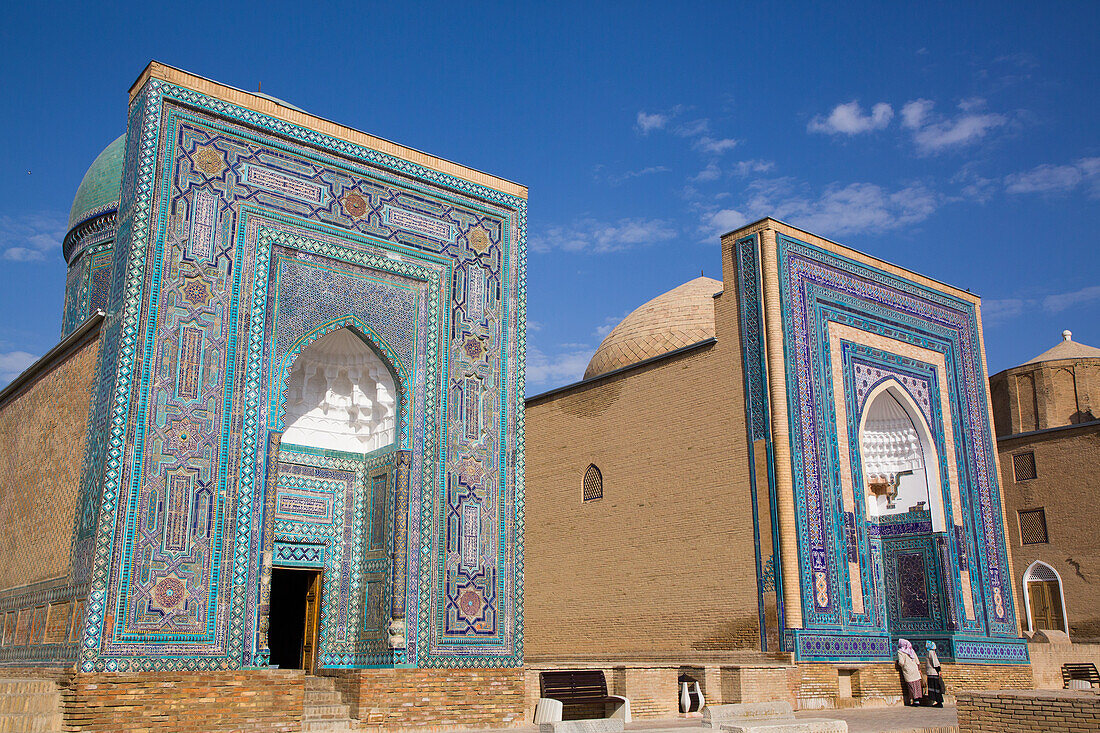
(1044, 598)
(340, 396)
(901, 466)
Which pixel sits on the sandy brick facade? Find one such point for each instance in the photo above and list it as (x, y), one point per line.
(42, 427)
(1050, 410)
(610, 578)
(1042, 711)
(440, 698)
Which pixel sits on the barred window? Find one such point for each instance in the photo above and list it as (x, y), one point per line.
(1023, 466)
(593, 483)
(1033, 527)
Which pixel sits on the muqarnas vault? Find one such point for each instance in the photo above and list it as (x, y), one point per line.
(306, 406)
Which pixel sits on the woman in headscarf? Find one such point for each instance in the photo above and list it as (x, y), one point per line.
(909, 666)
(932, 671)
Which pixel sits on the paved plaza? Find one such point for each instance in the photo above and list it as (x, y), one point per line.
(893, 719)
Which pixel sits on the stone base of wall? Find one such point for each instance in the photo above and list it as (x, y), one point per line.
(873, 685)
(437, 698)
(1027, 711)
(1047, 661)
(653, 690)
(185, 702)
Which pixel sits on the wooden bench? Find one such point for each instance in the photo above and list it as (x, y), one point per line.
(1085, 672)
(579, 689)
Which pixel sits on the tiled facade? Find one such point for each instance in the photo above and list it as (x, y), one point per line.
(733, 514)
(245, 232)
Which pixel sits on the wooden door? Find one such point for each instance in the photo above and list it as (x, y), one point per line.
(1046, 605)
(313, 615)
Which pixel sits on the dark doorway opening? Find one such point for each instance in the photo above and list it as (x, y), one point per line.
(292, 626)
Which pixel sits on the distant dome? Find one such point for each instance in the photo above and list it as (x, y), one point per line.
(681, 317)
(99, 190)
(1067, 348)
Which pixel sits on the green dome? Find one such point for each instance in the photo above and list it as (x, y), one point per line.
(102, 183)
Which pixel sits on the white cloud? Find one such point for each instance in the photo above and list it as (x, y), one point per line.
(1064, 301)
(616, 178)
(716, 146)
(608, 325)
(745, 167)
(1056, 178)
(647, 123)
(13, 363)
(839, 210)
(850, 119)
(598, 237)
(1001, 310)
(934, 136)
(711, 173)
(915, 112)
(998, 311)
(30, 237)
(564, 367)
(724, 220)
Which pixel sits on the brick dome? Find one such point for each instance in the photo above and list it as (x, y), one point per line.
(681, 317)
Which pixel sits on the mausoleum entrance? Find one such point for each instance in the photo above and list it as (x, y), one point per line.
(295, 612)
(904, 510)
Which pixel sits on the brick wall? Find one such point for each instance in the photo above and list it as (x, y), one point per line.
(664, 562)
(41, 448)
(880, 684)
(1043, 711)
(268, 701)
(1047, 661)
(440, 698)
(1067, 466)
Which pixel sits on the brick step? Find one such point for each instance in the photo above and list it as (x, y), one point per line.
(322, 697)
(30, 723)
(26, 686)
(319, 683)
(32, 702)
(329, 725)
(314, 712)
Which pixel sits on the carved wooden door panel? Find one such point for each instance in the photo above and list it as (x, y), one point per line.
(313, 614)
(1046, 605)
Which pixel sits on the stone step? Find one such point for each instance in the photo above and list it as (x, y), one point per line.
(329, 725)
(319, 683)
(30, 702)
(20, 686)
(323, 697)
(30, 723)
(336, 710)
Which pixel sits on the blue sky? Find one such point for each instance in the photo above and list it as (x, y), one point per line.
(959, 140)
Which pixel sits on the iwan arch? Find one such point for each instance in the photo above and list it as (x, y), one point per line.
(298, 353)
(796, 468)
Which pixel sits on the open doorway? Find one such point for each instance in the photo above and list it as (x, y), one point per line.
(295, 612)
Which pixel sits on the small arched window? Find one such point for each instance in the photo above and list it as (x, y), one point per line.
(1043, 598)
(593, 483)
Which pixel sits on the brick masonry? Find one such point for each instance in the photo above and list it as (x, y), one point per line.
(185, 702)
(1046, 711)
(611, 578)
(440, 698)
(1051, 409)
(41, 446)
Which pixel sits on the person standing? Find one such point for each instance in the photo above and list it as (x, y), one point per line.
(936, 688)
(909, 665)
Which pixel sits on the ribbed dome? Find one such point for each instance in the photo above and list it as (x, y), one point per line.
(681, 317)
(99, 190)
(1067, 348)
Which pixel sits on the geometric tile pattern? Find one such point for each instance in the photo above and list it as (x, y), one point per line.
(819, 290)
(241, 239)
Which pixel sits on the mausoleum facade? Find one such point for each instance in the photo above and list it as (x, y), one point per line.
(300, 354)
